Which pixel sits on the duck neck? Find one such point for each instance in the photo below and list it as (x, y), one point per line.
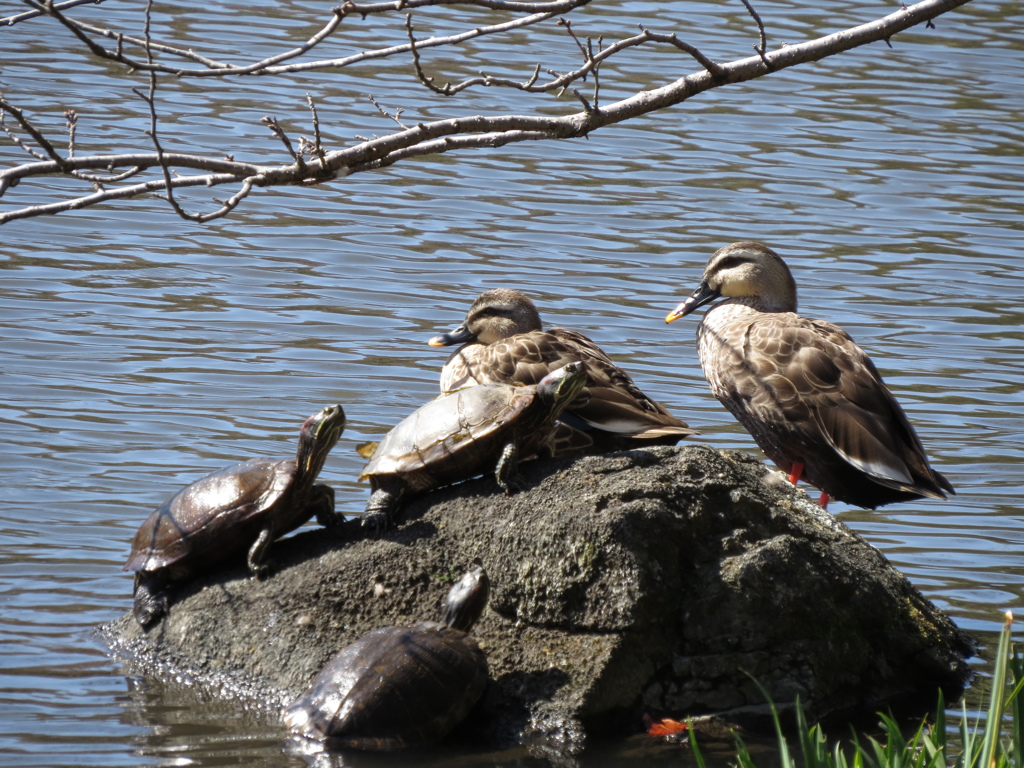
(784, 303)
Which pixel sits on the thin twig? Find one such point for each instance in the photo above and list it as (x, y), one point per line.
(564, 22)
(26, 125)
(318, 146)
(72, 118)
(395, 117)
(417, 66)
(15, 138)
(153, 131)
(762, 45)
(274, 64)
(562, 81)
(587, 107)
(277, 130)
(713, 69)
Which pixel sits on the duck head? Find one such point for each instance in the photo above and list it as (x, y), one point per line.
(495, 315)
(747, 271)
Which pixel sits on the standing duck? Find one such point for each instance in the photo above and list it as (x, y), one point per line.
(810, 397)
(504, 342)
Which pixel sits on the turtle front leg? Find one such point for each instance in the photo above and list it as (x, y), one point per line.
(320, 503)
(257, 558)
(507, 471)
(151, 601)
(381, 508)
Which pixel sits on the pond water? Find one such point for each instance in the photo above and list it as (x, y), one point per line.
(140, 351)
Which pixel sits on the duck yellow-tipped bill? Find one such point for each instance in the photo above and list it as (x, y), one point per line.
(676, 313)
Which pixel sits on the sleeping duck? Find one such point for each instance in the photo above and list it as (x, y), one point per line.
(503, 341)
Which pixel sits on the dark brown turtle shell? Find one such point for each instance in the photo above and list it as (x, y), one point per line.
(399, 687)
(238, 509)
(220, 513)
(395, 687)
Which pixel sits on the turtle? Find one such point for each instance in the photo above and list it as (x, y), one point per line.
(240, 508)
(466, 433)
(399, 687)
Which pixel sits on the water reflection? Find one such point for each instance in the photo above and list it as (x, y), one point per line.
(139, 352)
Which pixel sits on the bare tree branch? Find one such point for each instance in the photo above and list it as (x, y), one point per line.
(435, 137)
(539, 11)
(10, 21)
(562, 81)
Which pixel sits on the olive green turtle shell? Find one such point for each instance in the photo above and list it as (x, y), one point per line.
(459, 435)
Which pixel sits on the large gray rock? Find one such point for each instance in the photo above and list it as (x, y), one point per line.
(654, 581)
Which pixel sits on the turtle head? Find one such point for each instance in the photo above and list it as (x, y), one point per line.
(563, 386)
(319, 435)
(466, 600)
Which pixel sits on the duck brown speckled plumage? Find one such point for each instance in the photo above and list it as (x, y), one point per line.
(810, 397)
(504, 341)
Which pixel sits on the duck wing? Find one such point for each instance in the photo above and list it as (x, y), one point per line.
(823, 390)
(610, 401)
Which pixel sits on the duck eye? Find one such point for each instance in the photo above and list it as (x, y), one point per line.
(497, 312)
(730, 261)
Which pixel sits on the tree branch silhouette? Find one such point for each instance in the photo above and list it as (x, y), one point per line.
(312, 163)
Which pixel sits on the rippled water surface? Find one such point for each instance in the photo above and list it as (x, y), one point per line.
(140, 351)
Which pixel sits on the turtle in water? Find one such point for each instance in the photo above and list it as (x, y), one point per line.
(465, 433)
(241, 508)
(399, 687)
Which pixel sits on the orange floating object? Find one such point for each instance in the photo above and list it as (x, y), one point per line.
(667, 727)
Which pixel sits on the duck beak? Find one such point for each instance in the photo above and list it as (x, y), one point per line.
(454, 336)
(704, 294)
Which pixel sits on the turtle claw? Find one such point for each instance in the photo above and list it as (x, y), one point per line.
(513, 485)
(380, 509)
(376, 523)
(259, 565)
(332, 520)
(261, 571)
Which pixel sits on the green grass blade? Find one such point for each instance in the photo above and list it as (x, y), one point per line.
(993, 722)
(1016, 664)
(695, 747)
(930, 746)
